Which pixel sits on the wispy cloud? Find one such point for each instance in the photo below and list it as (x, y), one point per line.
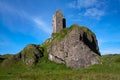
(41, 25)
(72, 4)
(92, 8)
(101, 41)
(79, 4)
(94, 12)
(38, 23)
(5, 7)
(82, 4)
(110, 51)
(86, 3)
(37, 26)
(106, 46)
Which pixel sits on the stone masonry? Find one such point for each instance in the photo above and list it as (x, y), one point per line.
(58, 22)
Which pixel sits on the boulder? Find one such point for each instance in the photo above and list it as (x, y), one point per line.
(31, 54)
(77, 47)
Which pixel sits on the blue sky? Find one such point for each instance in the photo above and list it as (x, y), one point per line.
(24, 22)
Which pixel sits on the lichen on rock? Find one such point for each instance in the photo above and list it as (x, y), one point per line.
(75, 46)
(31, 54)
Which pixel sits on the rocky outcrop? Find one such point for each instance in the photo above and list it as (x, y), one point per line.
(31, 54)
(5, 56)
(76, 47)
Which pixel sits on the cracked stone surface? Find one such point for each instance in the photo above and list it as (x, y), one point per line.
(78, 49)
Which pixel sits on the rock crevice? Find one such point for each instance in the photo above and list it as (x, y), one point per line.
(76, 47)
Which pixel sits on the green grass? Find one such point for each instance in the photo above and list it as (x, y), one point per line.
(60, 35)
(109, 69)
(64, 32)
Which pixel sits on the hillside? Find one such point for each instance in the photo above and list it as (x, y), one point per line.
(76, 47)
(47, 70)
(32, 62)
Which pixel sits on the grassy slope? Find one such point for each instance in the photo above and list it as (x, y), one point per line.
(109, 69)
(63, 33)
(47, 70)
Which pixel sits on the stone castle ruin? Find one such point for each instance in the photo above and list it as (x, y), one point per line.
(58, 22)
(78, 49)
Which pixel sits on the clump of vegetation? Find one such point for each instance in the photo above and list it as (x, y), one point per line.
(79, 29)
(47, 70)
(60, 35)
(3, 57)
(15, 69)
(31, 54)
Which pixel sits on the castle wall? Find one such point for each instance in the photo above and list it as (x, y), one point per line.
(58, 21)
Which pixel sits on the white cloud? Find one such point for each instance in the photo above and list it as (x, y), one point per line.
(94, 12)
(38, 23)
(110, 51)
(106, 46)
(91, 8)
(86, 3)
(83, 4)
(6, 8)
(72, 4)
(101, 41)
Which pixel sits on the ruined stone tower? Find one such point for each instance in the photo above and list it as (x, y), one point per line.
(58, 22)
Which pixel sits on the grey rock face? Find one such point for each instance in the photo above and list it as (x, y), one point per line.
(58, 21)
(78, 48)
(31, 54)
